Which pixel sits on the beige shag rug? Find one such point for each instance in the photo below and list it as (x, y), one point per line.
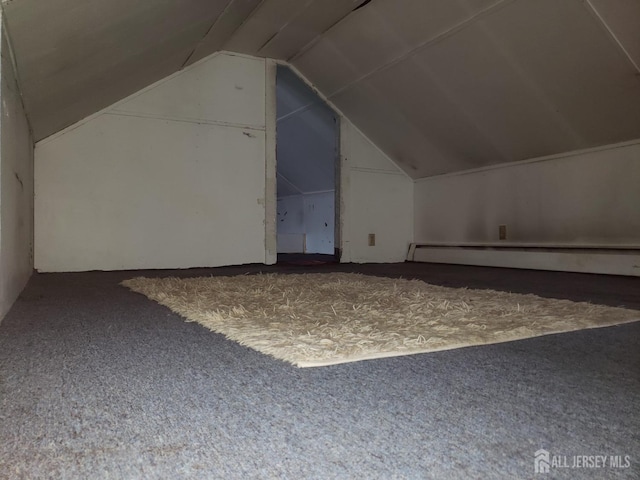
(329, 318)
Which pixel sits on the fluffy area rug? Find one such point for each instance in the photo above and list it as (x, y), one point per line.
(321, 319)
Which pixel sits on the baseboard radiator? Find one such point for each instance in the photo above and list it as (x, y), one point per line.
(604, 259)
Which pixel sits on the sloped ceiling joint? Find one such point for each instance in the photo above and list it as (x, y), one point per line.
(610, 30)
(464, 111)
(116, 107)
(529, 161)
(257, 30)
(260, 5)
(286, 24)
(534, 88)
(319, 34)
(308, 97)
(341, 114)
(439, 37)
(206, 34)
(231, 20)
(89, 54)
(313, 41)
(289, 182)
(255, 11)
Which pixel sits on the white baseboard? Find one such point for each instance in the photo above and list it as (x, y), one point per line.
(612, 262)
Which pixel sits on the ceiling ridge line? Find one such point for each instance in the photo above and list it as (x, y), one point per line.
(235, 30)
(441, 36)
(296, 15)
(201, 41)
(527, 161)
(305, 48)
(242, 24)
(594, 12)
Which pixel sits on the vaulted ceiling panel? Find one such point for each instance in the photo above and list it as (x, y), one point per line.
(281, 28)
(328, 66)
(89, 92)
(401, 140)
(75, 57)
(313, 21)
(431, 107)
(507, 81)
(496, 97)
(263, 23)
(229, 21)
(378, 34)
(569, 57)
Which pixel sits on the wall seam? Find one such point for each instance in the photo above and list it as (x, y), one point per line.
(559, 156)
(603, 23)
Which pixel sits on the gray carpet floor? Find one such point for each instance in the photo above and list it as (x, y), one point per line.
(99, 382)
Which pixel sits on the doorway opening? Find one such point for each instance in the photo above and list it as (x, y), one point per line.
(307, 172)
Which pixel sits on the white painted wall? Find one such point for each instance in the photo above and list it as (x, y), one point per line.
(290, 215)
(581, 198)
(172, 177)
(310, 216)
(16, 187)
(319, 219)
(290, 224)
(377, 197)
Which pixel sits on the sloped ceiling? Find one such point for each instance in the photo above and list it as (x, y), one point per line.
(76, 57)
(439, 85)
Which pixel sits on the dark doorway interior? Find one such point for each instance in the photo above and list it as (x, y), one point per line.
(307, 159)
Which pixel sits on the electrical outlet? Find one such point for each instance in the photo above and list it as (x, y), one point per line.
(502, 232)
(372, 239)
